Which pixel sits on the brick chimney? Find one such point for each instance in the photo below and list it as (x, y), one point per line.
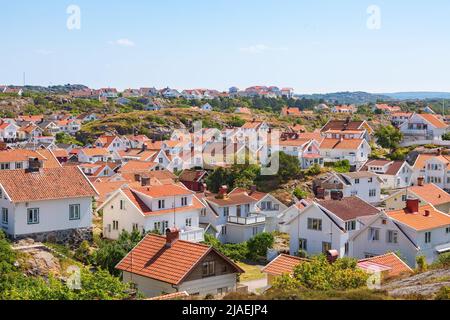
(223, 192)
(172, 235)
(332, 256)
(145, 181)
(34, 165)
(427, 213)
(412, 205)
(420, 181)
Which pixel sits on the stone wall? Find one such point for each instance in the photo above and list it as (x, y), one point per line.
(73, 237)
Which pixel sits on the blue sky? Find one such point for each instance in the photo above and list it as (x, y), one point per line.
(313, 46)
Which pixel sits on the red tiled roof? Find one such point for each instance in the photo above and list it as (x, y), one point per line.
(431, 193)
(347, 144)
(283, 264)
(349, 208)
(434, 120)
(151, 258)
(47, 184)
(419, 221)
(395, 265)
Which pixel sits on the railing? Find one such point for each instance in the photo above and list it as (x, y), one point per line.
(192, 234)
(247, 221)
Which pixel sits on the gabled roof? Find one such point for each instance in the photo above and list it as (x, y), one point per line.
(394, 264)
(419, 221)
(192, 175)
(349, 208)
(430, 193)
(134, 165)
(434, 120)
(47, 184)
(93, 152)
(151, 258)
(283, 264)
(344, 144)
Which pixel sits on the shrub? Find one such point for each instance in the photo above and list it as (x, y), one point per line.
(82, 253)
(443, 260)
(443, 294)
(259, 244)
(422, 265)
(300, 193)
(314, 170)
(342, 166)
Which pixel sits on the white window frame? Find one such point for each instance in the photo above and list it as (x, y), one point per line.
(74, 212)
(35, 216)
(5, 216)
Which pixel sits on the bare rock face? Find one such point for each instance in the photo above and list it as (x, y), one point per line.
(43, 263)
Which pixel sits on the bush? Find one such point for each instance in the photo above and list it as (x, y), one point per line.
(342, 166)
(422, 265)
(443, 260)
(443, 294)
(259, 244)
(314, 170)
(300, 193)
(82, 253)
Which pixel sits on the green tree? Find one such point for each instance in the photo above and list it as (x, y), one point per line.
(299, 193)
(259, 244)
(388, 137)
(289, 167)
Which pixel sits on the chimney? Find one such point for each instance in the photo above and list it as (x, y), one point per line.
(320, 193)
(427, 213)
(332, 256)
(223, 192)
(137, 177)
(34, 165)
(336, 195)
(145, 181)
(172, 235)
(412, 205)
(420, 181)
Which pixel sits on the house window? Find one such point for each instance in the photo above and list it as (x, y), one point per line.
(255, 231)
(135, 227)
(122, 204)
(303, 244)
(226, 211)
(350, 225)
(392, 236)
(346, 248)
(184, 201)
(189, 222)
(161, 160)
(326, 246)
(315, 224)
(372, 193)
(157, 226)
(74, 212)
(115, 225)
(356, 181)
(404, 198)
(5, 215)
(4, 166)
(19, 165)
(447, 230)
(33, 216)
(374, 234)
(161, 204)
(208, 268)
(354, 193)
(203, 212)
(224, 230)
(427, 237)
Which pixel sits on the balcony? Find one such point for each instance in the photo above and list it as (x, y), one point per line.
(248, 220)
(192, 234)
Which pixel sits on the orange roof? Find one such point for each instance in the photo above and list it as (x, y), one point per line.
(419, 221)
(47, 184)
(252, 125)
(434, 120)
(105, 189)
(164, 191)
(51, 161)
(291, 111)
(17, 155)
(422, 159)
(257, 195)
(431, 193)
(134, 165)
(151, 258)
(283, 264)
(347, 144)
(293, 142)
(396, 265)
(60, 153)
(106, 140)
(92, 152)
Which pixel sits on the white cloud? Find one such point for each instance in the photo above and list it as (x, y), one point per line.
(123, 43)
(262, 48)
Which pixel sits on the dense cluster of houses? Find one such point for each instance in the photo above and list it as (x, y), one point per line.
(48, 191)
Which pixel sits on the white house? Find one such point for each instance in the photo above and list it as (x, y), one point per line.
(236, 216)
(365, 185)
(413, 231)
(162, 265)
(424, 127)
(112, 143)
(326, 225)
(152, 208)
(356, 151)
(394, 174)
(207, 107)
(8, 130)
(399, 118)
(306, 150)
(46, 204)
(93, 155)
